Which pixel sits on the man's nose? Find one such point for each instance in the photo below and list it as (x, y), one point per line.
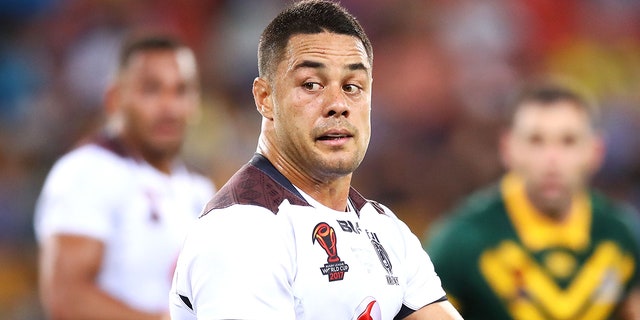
(170, 101)
(552, 154)
(337, 104)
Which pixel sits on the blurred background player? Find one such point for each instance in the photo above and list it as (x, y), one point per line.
(112, 213)
(541, 244)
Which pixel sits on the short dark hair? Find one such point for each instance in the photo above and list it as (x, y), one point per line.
(549, 91)
(306, 17)
(139, 43)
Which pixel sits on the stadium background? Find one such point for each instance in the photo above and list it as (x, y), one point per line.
(442, 70)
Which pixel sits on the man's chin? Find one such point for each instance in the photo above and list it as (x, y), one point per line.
(348, 164)
(551, 200)
(165, 148)
(338, 168)
(555, 204)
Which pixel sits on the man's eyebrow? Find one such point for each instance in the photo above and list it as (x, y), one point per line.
(320, 65)
(357, 66)
(309, 64)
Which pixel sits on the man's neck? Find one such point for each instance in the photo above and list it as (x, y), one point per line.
(558, 211)
(162, 161)
(164, 165)
(332, 192)
(333, 198)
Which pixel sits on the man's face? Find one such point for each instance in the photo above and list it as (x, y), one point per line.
(555, 150)
(158, 93)
(322, 103)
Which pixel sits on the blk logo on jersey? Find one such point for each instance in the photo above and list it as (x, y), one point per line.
(384, 258)
(348, 226)
(325, 235)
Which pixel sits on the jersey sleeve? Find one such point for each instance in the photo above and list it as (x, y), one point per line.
(78, 196)
(630, 219)
(423, 285)
(243, 249)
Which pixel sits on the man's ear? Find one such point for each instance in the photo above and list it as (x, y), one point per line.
(598, 153)
(112, 107)
(262, 95)
(111, 100)
(505, 148)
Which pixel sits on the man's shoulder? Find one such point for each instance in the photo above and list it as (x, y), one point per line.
(609, 212)
(473, 217)
(463, 233)
(603, 203)
(89, 169)
(255, 185)
(99, 146)
(479, 205)
(90, 157)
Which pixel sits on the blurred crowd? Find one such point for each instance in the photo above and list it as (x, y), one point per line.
(443, 70)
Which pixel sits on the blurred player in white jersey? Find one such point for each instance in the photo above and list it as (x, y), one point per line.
(113, 212)
(288, 237)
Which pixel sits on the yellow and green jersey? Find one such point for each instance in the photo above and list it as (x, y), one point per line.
(500, 259)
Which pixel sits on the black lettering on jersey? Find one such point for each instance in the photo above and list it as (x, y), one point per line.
(348, 226)
(373, 236)
(384, 258)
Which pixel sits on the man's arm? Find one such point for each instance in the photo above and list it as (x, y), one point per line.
(442, 310)
(630, 309)
(69, 266)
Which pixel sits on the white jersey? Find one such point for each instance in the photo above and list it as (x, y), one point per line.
(139, 213)
(263, 250)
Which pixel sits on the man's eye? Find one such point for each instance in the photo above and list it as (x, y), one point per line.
(311, 86)
(150, 88)
(535, 140)
(351, 88)
(569, 140)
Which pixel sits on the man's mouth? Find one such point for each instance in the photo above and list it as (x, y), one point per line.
(334, 136)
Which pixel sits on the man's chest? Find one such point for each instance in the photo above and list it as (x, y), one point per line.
(344, 262)
(557, 281)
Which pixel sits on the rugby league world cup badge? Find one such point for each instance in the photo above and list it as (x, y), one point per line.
(325, 235)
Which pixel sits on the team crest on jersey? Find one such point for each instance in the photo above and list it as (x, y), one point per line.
(325, 235)
(384, 258)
